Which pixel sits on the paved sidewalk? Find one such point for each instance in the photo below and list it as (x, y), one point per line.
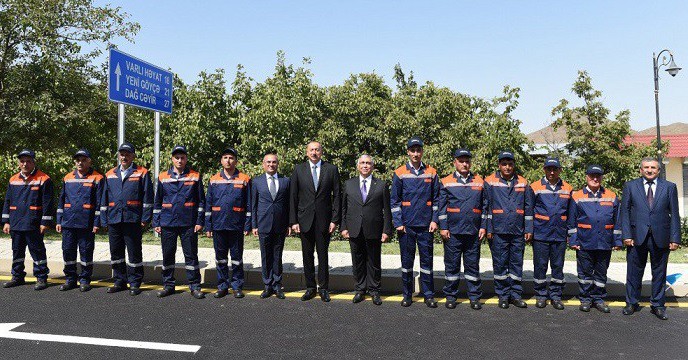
(340, 270)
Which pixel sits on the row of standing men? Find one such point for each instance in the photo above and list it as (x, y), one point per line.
(464, 207)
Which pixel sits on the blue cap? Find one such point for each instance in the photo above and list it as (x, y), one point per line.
(594, 170)
(552, 162)
(506, 155)
(127, 146)
(414, 141)
(230, 150)
(181, 149)
(27, 152)
(82, 152)
(462, 152)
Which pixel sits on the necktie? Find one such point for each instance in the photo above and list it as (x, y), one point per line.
(650, 195)
(315, 177)
(272, 188)
(364, 191)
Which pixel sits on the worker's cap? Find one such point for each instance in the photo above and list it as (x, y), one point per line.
(506, 155)
(462, 152)
(27, 152)
(230, 150)
(414, 141)
(594, 170)
(128, 147)
(180, 149)
(82, 152)
(552, 162)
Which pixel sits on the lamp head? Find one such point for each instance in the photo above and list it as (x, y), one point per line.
(672, 68)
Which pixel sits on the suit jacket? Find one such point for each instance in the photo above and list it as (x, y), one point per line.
(313, 209)
(372, 217)
(267, 215)
(637, 218)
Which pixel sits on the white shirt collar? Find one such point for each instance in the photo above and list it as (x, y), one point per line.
(317, 165)
(367, 179)
(645, 181)
(268, 176)
(593, 193)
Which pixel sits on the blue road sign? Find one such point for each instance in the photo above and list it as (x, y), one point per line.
(132, 81)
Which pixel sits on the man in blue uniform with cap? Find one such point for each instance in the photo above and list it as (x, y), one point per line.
(26, 215)
(594, 230)
(78, 219)
(127, 207)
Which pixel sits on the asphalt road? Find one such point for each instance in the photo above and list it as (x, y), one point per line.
(256, 328)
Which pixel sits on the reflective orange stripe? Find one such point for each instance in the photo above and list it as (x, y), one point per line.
(453, 210)
(606, 203)
(216, 208)
(609, 227)
(237, 209)
(564, 217)
(88, 184)
(111, 204)
(405, 203)
(13, 208)
(585, 226)
(67, 205)
(477, 211)
(542, 217)
(88, 206)
(35, 207)
(133, 202)
(497, 211)
(519, 211)
(167, 205)
(520, 189)
(429, 203)
(190, 204)
(34, 188)
(187, 183)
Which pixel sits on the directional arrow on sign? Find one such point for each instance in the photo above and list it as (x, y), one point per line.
(6, 332)
(118, 72)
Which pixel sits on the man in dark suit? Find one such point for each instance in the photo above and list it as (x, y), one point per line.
(270, 220)
(367, 223)
(650, 224)
(314, 213)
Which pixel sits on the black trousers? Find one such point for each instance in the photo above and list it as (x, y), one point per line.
(126, 237)
(365, 257)
(316, 241)
(189, 240)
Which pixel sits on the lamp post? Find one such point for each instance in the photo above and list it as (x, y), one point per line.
(672, 69)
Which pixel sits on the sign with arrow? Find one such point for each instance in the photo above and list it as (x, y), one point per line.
(7, 333)
(132, 81)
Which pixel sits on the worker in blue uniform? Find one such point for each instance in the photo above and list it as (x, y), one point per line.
(509, 225)
(463, 225)
(594, 231)
(178, 213)
(78, 219)
(26, 215)
(552, 197)
(414, 202)
(227, 221)
(127, 208)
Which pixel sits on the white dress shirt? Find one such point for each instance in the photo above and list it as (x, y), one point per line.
(360, 181)
(268, 176)
(654, 186)
(317, 169)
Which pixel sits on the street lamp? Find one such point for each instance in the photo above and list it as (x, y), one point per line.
(672, 69)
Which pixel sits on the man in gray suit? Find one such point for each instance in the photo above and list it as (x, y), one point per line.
(367, 223)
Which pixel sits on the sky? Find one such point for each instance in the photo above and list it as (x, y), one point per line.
(473, 47)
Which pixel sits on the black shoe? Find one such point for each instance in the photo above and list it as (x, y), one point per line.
(68, 286)
(14, 282)
(541, 303)
(280, 294)
(476, 305)
(585, 307)
(266, 293)
(116, 288)
(358, 297)
(324, 295)
(40, 285)
(376, 299)
(238, 293)
(166, 291)
(629, 309)
(450, 304)
(519, 303)
(220, 293)
(557, 304)
(406, 302)
(133, 291)
(504, 303)
(431, 302)
(198, 294)
(659, 313)
(309, 294)
(84, 287)
(601, 306)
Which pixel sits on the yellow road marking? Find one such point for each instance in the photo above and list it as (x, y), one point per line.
(349, 295)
